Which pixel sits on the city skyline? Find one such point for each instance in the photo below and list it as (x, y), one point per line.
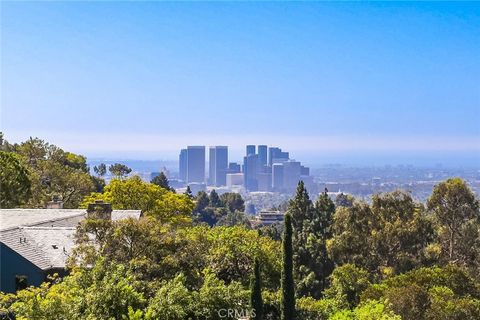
(368, 83)
(264, 168)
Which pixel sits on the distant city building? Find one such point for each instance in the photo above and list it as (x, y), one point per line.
(218, 165)
(263, 170)
(277, 177)
(196, 187)
(276, 155)
(291, 175)
(250, 150)
(250, 170)
(234, 179)
(304, 171)
(182, 170)
(268, 217)
(176, 183)
(234, 167)
(262, 155)
(309, 184)
(264, 181)
(195, 164)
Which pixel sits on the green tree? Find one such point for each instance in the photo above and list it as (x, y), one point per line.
(457, 215)
(119, 170)
(234, 219)
(162, 181)
(54, 173)
(347, 283)
(312, 229)
(344, 200)
(100, 170)
(133, 193)
(172, 301)
(214, 199)
(370, 310)
(231, 252)
(98, 184)
(201, 201)
(14, 181)
(209, 209)
(188, 192)
(233, 201)
(256, 302)
(429, 294)
(288, 286)
(389, 237)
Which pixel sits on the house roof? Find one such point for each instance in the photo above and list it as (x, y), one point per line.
(14, 218)
(19, 242)
(45, 237)
(45, 247)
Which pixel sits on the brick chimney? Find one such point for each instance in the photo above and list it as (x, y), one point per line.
(99, 210)
(56, 203)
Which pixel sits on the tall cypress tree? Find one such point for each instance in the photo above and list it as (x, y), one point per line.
(311, 230)
(256, 292)
(322, 225)
(288, 287)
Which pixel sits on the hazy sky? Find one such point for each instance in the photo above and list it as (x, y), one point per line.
(328, 81)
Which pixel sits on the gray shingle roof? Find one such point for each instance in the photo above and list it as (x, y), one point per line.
(11, 218)
(45, 237)
(18, 241)
(56, 243)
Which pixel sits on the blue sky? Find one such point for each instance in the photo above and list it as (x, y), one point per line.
(328, 81)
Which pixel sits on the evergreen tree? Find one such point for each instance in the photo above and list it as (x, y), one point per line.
(322, 265)
(201, 202)
(188, 192)
(162, 181)
(233, 201)
(456, 211)
(256, 293)
(119, 170)
(288, 286)
(215, 199)
(15, 184)
(100, 170)
(311, 230)
(344, 200)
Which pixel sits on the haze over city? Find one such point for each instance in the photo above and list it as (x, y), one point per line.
(357, 83)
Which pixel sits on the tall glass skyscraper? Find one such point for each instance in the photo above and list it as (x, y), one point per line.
(196, 164)
(250, 170)
(262, 155)
(250, 149)
(218, 165)
(275, 153)
(182, 161)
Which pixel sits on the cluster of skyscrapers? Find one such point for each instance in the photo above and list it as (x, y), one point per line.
(263, 169)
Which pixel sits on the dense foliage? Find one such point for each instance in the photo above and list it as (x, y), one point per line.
(34, 172)
(225, 210)
(14, 181)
